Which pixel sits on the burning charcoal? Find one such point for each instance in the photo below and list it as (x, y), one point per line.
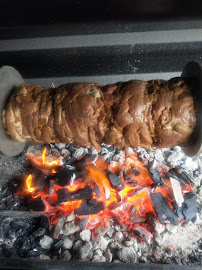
(70, 217)
(64, 176)
(188, 210)
(127, 254)
(36, 204)
(97, 191)
(51, 188)
(39, 232)
(113, 205)
(143, 234)
(115, 181)
(134, 192)
(182, 176)
(89, 207)
(44, 222)
(85, 235)
(101, 230)
(46, 242)
(64, 195)
(177, 191)
(60, 223)
(156, 177)
(39, 179)
(67, 244)
(83, 222)
(168, 175)
(162, 209)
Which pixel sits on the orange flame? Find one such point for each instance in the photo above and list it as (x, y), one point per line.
(29, 183)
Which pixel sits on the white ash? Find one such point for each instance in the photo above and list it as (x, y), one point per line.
(127, 254)
(44, 257)
(84, 251)
(46, 242)
(77, 245)
(70, 228)
(67, 244)
(85, 235)
(102, 243)
(108, 255)
(70, 217)
(66, 255)
(177, 192)
(97, 258)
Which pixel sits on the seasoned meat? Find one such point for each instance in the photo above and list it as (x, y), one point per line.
(135, 113)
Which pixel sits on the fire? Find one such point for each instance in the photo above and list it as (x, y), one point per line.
(130, 205)
(29, 183)
(53, 85)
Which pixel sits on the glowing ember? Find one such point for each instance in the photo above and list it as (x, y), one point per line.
(95, 196)
(53, 85)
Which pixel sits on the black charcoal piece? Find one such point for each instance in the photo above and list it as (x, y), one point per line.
(97, 191)
(89, 207)
(39, 179)
(115, 181)
(33, 253)
(113, 205)
(143, 234)
(58, 244)
(156, 177)
(19, 224)
(44, 222)
(64, 195)
(163, 209)
(8, 247)
(39, 232)
(182, 175)
(188, 210)
(36, 204)
(63, 177)
(71, 161)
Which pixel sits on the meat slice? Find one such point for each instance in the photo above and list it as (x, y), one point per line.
(135, 113)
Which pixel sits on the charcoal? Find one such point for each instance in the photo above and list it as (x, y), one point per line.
(39, 179)
(8, 248)
(25, 246)
(113, 205)
(143, 234)
(11, 234)
(85, 235)
(44, 222)
(63, 177)
(115, 181)
(64, 195)
(17, 224)
(58, 244)
(39, 232)
(169, 174)
(177, 192)
(97, 191)
(156, 177)
(134, 192)
(89, 207)
(188, 210)
(60, 223)
(182, 176)
(67, 243)
(36, 204)
(163, 209)
(33, 253)
(83, 222)
(46, 242)
(51, 187)
(71, 161)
